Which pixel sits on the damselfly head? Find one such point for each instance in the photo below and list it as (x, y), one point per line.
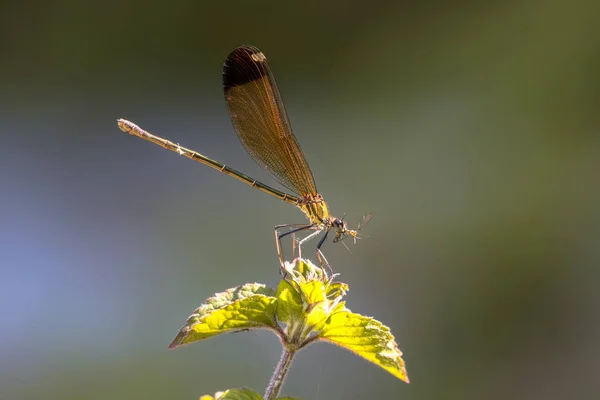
(342, 231)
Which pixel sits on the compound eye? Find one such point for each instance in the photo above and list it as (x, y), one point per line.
(339, 223)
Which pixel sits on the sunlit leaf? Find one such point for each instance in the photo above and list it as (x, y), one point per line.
(289, 302)
(240, 394)
(367, 338)
(245, 307)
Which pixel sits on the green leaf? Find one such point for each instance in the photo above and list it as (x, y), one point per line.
(240, 394)
(234, 394)
(336, 290)
(244, 307)
(318, 318)
(368, 338)
(289, 302)
(313, 293)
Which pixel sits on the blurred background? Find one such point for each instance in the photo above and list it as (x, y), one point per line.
(469, 129)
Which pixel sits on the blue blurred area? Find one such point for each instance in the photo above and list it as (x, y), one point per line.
(470, 130)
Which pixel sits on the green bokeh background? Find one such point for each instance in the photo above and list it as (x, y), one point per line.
(469, 129)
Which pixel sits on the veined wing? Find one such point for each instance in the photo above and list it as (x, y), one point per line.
(260, 119)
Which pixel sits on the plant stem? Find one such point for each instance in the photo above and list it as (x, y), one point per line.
(280, 372)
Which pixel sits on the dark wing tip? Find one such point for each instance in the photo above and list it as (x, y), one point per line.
(243, 65)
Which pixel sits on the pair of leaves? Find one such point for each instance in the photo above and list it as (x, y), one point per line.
(306, 307)
(238, 394)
